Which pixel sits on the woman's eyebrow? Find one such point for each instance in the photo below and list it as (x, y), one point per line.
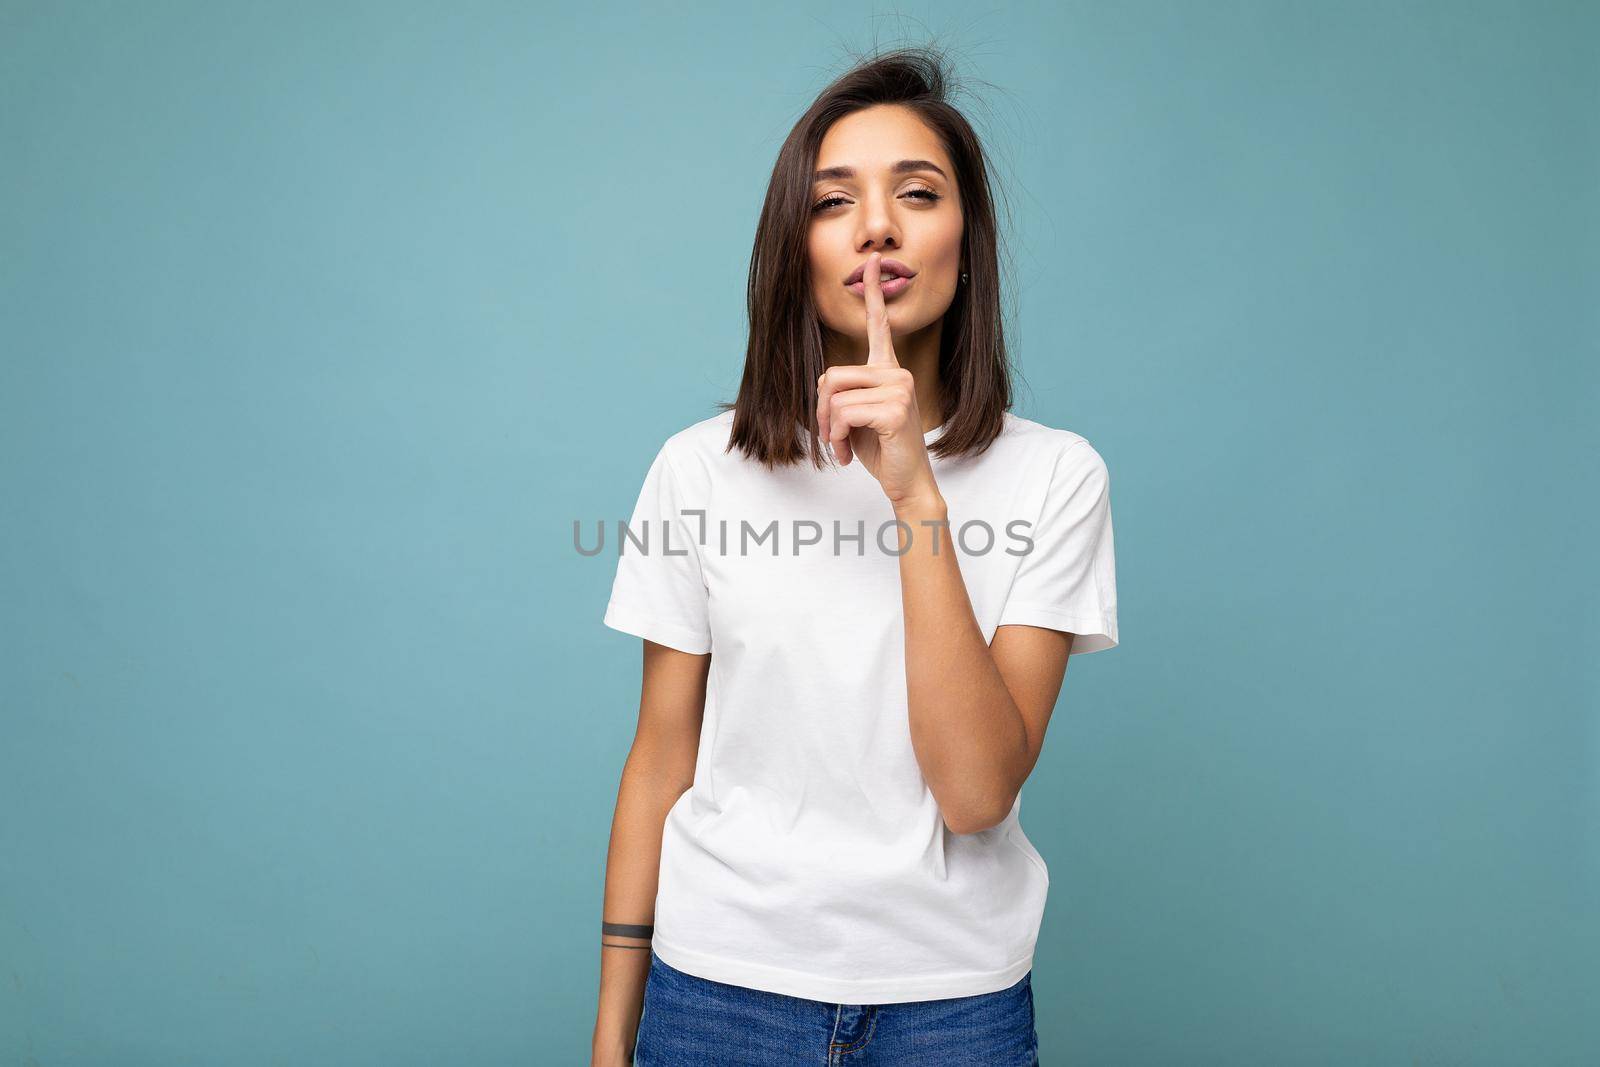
(905, 166)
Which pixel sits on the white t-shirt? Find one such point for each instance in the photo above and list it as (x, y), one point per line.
(809, 857)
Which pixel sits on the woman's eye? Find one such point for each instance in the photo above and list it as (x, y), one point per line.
(926, 194)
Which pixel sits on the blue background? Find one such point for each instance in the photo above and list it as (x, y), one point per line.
(322, 323)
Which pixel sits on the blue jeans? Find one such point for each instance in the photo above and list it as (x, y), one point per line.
(689, 1021)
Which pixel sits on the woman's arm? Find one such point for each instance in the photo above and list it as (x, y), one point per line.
(659, 768)
(978, 713)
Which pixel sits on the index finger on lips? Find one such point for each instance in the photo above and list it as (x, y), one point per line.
(880, 345)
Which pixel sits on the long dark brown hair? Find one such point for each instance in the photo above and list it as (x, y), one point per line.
(785, 353)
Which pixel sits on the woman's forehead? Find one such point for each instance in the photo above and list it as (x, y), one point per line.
(877, 139)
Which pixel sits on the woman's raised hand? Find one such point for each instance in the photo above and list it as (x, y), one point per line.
(871, 409)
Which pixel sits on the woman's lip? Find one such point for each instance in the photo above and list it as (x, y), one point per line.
(890, 287)
(886, 267)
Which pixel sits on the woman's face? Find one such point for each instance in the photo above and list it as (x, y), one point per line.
(893, 202)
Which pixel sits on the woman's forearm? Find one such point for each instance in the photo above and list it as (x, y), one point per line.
(648, 789)
(967, 731)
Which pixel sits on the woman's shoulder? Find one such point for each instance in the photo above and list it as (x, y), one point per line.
(697, 446)
(1053, 456)
(1031, 434)
(707, 434)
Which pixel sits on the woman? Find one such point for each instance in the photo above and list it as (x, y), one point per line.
(849, 665)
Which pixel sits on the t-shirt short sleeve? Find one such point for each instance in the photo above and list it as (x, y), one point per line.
(1068, 581)
(659, 592)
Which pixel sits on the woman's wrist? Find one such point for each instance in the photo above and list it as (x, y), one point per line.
(613, 1044)
(611, 1051)
(927, 503)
